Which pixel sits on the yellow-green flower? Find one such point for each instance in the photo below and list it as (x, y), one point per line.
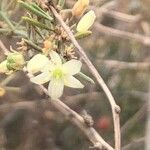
(3, 67)
(86, 22)
(14, 61)
(59, 75)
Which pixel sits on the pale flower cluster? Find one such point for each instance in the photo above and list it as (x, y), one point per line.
(54, 70)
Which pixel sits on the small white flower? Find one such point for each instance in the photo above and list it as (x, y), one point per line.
(37, 63)
(59, 74)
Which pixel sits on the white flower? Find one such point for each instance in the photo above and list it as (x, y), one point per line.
(37, 63)
(59, 74)
(86, 22)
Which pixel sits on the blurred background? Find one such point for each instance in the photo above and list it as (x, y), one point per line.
(119, 47)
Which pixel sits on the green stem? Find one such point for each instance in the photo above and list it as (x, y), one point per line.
(12, 89)
(30, 43)
(7, 20)
(7, 80)
(35, 23)
(86, 77)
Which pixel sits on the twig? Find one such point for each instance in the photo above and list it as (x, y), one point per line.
(30, 43)
(107, 9)
(142, 66)
(134, 144)
(121, 16)
(74, 117)
(90, 132)
(147, 144)
(134, 119)
(8, 79)
(6, 19)
(115, 108)
(4, 49)
(145, 40)
(78, 120)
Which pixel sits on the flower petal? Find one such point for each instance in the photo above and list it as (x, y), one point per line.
(3, 67)
(72, 82)
(48, 67)
(55, 58)
(86, 21)
(72, 67)
(37, 63)
(55, 88)
(41, 78)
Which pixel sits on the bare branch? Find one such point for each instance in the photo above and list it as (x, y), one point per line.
(145, 40)
(115, 108)
(142, 66)
(78, 120)
(134, 119)
(134, 144)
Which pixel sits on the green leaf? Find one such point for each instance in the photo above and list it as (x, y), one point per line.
(35, 10)
(86, 77)
(38, 8)
(35, 23)
(30, 43)
(7, 20)
(80, 35)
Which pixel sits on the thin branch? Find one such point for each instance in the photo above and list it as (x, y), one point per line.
(78, 120)
(107, 9)
(4, 49)
(90, 132)
(134, 119)
(134, 144)
(142, 66)
(147, 143)
(145, 40)
(67, 112)
(120, 16)
(115, 108)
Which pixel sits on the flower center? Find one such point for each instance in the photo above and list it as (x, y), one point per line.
(58, 73)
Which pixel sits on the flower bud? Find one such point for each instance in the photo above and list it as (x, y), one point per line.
(79, 7)
(86, 22)
(15, 61)
(48, 45)
(3, 67)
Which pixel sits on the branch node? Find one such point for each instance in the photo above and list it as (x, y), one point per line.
(88, 120)
(98, 146)
(117, 109)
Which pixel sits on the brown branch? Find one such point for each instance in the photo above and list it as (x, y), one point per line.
(90, 132)
(78, 120)
(108, 9)
(145, 40)
(3, 48)
(134, 144)
(115, 108)
(134, 119)
(120, 16)
(142, 66)
(75, 118)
